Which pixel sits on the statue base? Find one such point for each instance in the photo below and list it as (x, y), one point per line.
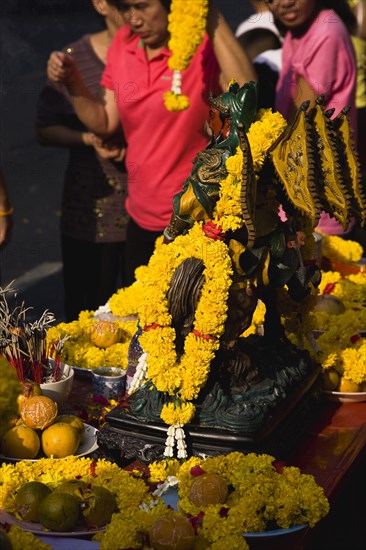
(127, 438)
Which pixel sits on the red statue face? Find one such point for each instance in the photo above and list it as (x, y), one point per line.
(219, 124)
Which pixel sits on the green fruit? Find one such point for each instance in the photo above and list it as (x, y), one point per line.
(29, 498)
(5, 542)
(59, 512)
(100, 507)
(75, 487)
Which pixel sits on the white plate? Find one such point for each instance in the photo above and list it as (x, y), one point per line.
(38, 529)
(87, 446)
(346, 397)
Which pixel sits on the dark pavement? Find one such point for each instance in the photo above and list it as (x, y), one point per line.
(29, 31)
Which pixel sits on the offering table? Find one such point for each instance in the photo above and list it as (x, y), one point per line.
(332, 449)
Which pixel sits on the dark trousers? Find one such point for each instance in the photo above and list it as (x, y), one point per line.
(140, 245)
(92, 272)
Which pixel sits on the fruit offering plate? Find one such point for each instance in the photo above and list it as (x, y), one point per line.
(171, 499)
(345, 397)
(38, 529)
(88, 446)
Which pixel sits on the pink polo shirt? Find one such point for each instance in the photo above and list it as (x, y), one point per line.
(161, 145)
(324, 57)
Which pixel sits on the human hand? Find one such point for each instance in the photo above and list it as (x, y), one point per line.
(107, 149)
(62, 69)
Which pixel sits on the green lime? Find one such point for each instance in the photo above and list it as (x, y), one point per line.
(99, 507)
(29, 498)
(59, 512)
(75, 487)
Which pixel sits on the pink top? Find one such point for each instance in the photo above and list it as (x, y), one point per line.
(324, 57)
(161, 145)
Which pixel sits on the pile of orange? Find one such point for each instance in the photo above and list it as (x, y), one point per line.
(41, 430)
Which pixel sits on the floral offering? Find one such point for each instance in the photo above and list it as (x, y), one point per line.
(223, 497)
(339, 317)
(88, 348)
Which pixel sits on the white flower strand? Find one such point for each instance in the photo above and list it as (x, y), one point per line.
(171, 481)
(140, 375)
(175, 435)
(177, 82)
(147, 507)
(169, 443)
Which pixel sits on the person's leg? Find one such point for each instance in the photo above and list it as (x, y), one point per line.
(105, 266)
(73, 258)
(140, 245)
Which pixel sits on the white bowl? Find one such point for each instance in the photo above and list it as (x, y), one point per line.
(60, 391)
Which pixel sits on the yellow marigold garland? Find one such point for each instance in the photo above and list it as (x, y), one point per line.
(186, 26)
(261, 135)
(184, 379)
(262, 495)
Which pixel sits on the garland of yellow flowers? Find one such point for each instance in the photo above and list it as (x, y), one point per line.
(261, 135)
(185, 378)
(186, 26)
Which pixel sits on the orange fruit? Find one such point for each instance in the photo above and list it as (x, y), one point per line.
(175, 533)
(75, 422)
(38, 412)
(104, 334)
(348, 386)
(20, 442)
(208, 489)
(60, 440)
(30, 389)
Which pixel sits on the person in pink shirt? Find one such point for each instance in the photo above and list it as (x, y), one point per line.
(317, 59)
(161, 145)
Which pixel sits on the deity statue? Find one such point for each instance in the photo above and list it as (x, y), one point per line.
(248, 383)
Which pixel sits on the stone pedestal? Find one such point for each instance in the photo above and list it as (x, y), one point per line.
(127, 438)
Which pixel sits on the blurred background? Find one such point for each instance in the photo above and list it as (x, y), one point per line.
(29, 31)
